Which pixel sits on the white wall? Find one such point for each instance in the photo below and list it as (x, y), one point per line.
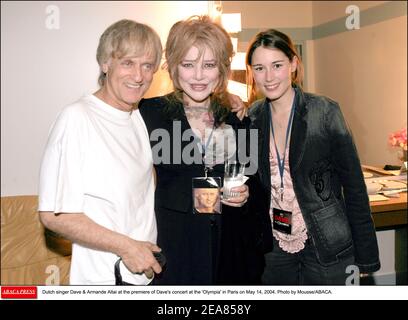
(365, 70)
(325, 11)
(42, 70)
(267, 14)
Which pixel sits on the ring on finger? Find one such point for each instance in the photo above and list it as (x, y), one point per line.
(149, 273)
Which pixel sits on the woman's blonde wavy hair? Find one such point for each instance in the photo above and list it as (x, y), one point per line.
(201, 32)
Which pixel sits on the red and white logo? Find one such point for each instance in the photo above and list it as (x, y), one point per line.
(18, 292)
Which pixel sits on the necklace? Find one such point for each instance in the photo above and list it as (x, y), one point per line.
(195, 112)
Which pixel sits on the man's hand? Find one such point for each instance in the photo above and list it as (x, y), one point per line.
(138, 257)
(77, 227)
(237, 105)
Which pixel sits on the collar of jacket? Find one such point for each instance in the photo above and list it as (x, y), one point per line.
(299, 130)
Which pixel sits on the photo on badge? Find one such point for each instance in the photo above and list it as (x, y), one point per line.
(206, 195)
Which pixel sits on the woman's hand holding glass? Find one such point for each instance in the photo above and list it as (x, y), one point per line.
(241, 195)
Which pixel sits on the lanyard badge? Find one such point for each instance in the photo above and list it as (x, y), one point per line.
(281, 163)
(204, 148)
(282, 220)
(206, 195)
(206, 190)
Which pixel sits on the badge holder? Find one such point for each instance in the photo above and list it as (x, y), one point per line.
(282, 220)
(206, 195)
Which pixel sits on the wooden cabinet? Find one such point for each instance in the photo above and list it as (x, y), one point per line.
(391, 213)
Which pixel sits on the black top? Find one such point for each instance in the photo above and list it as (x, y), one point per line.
(200, 249)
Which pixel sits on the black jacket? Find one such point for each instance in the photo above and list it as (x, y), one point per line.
(327, 179)
(200, 249)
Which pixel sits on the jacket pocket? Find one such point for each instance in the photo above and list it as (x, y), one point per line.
(332, 232)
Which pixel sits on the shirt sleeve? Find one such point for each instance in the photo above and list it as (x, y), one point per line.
(61, 186)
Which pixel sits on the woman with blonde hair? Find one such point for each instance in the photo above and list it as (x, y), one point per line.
(200, 248)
